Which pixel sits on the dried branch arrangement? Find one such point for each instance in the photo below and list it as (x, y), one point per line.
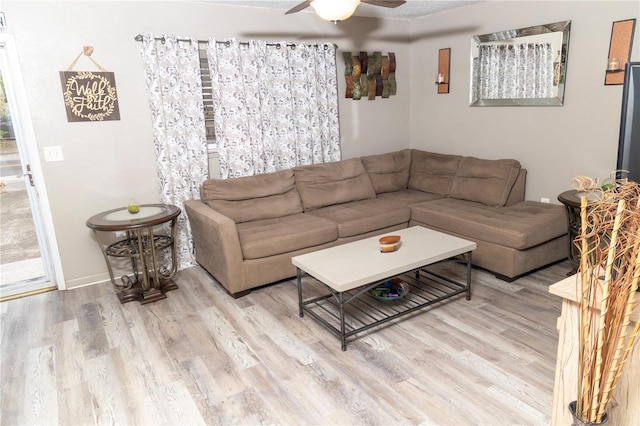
(608, 274)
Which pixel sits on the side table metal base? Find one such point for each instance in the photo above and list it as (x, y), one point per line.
(137, 293)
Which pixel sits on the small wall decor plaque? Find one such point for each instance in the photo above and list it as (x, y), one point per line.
(89, 95)
(619, 51)
(370, 75)
(444, 63)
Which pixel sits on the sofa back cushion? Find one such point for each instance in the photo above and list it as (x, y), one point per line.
(327, 184)
(432, 172)
(251, 198)
(388, 172)
(517, 191)
(486, 181)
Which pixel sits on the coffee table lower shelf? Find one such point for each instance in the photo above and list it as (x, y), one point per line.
(348, 313)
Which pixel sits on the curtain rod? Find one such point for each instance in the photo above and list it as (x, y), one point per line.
(162, 39)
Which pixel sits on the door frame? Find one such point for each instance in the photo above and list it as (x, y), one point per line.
(23, 126)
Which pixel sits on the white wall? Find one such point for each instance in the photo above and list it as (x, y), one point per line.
(107, 163)
(553, 143)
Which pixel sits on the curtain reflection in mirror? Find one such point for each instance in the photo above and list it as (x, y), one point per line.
(515, 71)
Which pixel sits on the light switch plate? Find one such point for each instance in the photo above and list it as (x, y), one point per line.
(53, 153)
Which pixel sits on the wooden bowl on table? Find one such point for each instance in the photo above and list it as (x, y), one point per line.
(389, 243)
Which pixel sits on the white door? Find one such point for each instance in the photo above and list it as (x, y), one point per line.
(26, 237)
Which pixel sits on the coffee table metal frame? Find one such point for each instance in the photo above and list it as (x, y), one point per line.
(348, 311)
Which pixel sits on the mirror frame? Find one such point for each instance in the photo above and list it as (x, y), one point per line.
(563, 27)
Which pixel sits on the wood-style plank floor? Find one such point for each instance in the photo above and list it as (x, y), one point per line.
(79, 357)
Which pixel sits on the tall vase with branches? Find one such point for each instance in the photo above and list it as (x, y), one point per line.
(609, 246)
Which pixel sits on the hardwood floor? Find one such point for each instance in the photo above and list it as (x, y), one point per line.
(200, 357)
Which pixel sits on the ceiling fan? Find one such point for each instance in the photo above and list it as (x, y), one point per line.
(339, 10)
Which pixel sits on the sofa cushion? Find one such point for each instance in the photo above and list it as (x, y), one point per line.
(269, 237)
(407, 197)
(327, 184)
(486, 181)
(431, 172)
(360, 217)
(388, 172)
(520, 226)
(253, 197)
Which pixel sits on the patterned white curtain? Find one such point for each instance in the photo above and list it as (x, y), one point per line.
(515, 71)
(172, 70)
(275, 105)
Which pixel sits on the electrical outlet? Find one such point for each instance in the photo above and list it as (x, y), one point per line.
(544, 200)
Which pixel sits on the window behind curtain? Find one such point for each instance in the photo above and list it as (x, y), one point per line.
(207, 97)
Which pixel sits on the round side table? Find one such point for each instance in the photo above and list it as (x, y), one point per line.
(151, 276)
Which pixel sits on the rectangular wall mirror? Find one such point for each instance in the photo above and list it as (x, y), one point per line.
(523, 67)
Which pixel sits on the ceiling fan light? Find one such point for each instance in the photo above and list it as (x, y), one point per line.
(335, 10)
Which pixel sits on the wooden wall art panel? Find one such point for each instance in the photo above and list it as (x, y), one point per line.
(619, 51)
(444, 62)
(368, 76)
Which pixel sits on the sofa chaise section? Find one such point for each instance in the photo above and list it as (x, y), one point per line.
(511, 240)
(476, 199)
(485, 204)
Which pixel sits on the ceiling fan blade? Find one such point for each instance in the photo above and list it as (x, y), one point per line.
(384, 3)
(298, 8)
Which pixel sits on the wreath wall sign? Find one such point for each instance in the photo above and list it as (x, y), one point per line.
(89, 95)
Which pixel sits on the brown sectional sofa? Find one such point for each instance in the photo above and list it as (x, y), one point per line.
(246, 230)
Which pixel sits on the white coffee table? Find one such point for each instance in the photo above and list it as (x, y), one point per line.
(351, 270)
